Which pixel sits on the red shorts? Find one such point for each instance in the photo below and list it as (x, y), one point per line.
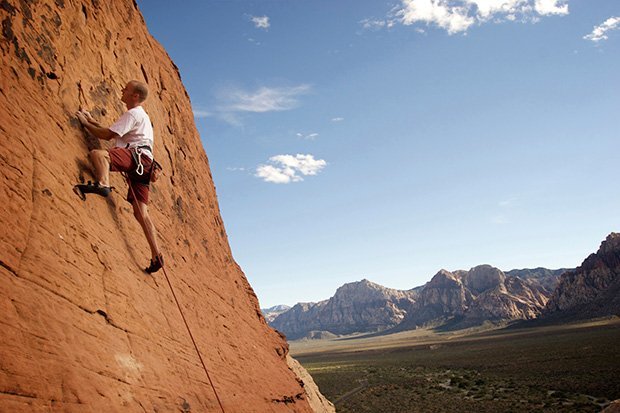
(121, 160)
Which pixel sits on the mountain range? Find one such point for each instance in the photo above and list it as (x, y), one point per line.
(272, 312)
(463, 298)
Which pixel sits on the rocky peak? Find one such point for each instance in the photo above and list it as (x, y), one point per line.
(277, 308)
(367, 291)
(442, 298)
(541, 277)
(482, 278)
(460, 274)
(593, 288)
(356, 287)
(361, 306)
(302, 307)
(610, 246)
(444, 279)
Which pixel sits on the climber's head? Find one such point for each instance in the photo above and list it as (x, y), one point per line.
(134, 93)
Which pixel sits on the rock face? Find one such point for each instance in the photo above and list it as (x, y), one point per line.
(592, 289)
(443, 297)
(482, 278)
(457, 299)
(360, 306)
(546, 278)
(83, 328)
(464, 298)
(487, 295)
(318, 402)
(513, 299)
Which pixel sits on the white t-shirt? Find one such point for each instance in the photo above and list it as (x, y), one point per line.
(134, 128)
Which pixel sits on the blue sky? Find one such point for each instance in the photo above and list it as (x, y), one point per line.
(387, 140)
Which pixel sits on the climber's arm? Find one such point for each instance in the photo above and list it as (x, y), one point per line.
(95, 128)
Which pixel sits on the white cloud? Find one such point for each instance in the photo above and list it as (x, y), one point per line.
(600, 32)
(264, 99)
(233, 102)
(457, 16)
(231, 118)
(546, 7)
(199, 113)
(283, 169)
(261, 22)
(310, 136)
(373, 24)
(338, 119)
(488, 8)
(445, 14)
(235, 169)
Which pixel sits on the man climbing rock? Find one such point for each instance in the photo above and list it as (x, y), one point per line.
(132, 154)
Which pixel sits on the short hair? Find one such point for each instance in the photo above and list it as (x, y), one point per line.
(141, 89)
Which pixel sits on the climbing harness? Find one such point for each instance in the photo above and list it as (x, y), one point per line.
(179, 306)
(140, 168)
(136, 153)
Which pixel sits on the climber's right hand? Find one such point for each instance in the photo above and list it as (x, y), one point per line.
(88, 116)
(81, 117)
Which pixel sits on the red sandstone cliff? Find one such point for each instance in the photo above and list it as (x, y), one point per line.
(83, 328)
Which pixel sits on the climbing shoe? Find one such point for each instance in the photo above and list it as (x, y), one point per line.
(156, 264)
(89, 188)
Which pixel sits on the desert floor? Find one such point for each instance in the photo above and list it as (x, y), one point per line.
(567, 368)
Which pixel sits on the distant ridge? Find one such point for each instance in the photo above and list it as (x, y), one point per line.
(361, 306)
(465, 298)
(272, 312)
(457, 299)
(543, 276)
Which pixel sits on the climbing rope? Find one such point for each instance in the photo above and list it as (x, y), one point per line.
(133, 194)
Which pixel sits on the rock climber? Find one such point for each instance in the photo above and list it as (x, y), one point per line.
(131, 154)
